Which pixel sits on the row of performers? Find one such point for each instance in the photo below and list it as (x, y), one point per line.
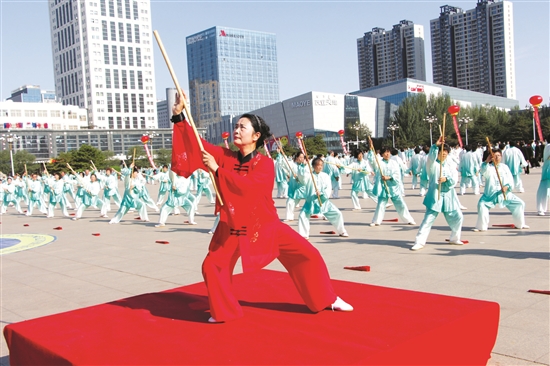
(315, 184)
(97, 189)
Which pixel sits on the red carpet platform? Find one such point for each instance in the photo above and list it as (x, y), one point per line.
(389, 326)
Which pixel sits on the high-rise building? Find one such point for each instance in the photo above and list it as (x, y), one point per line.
(386, 56)
(474, 49)
(103, 60)
(231, 71)
(32, 94)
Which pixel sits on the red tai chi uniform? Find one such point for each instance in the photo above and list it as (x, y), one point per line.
(249, 227)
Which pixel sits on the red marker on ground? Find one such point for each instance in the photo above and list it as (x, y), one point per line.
(359, 268)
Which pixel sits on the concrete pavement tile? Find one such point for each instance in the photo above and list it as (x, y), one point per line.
(543, 304)
(148, 285)
(507, 298)
(455, 288)
(483, 277)
(531, 320)
(521, 344)
(502, 360)
(184, 278)
(545, 359)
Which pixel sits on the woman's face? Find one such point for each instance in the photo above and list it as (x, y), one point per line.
(360, 156)
(318, 168)
(244, 133)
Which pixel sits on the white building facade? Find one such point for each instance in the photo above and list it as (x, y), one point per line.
(386, 56)
(103, 60)
(474, 49)
(36, 116)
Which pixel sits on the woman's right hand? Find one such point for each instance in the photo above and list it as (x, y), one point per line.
(178, 106)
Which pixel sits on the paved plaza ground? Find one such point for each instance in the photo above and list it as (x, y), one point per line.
(79, 269)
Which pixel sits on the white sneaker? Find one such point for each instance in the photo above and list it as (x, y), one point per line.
(160, 225)
(463, 208)
(389, 204)
(457, 242)
(541, 213)
(74, 218)
(344, 234)
(525, 227)
(412, 223)
(417, 246)
(477, 230)
(193, 223)
(212, 320)
(374, 224)
(341, 305)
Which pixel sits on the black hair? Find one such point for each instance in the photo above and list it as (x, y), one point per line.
(356, 153)
(383, 149)
(447, 148)
(260, 126)
(417, 150)
(297, 155)
(315, 161)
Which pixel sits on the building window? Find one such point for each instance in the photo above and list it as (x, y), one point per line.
(138, 56)
(29, 113)
(129, 33)
(122, 55)
(111, 123)
(108, 78)
(115, 77)
(112, 8)
(130, 56)
(134, 103)
(132, 79)
(126, 104)
(121, 32)
(141, 104)
(115, 55)
(136, 32)
(106, 54)
(109, 103)
(124, 80)
(117, 102)
(140, 81)
(113, 31)
(105, 30)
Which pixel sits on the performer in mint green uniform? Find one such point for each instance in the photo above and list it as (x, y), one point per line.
(543, 193)
(296, 186)
(436, 201)
(360, 180)
(388, 180)
(493, 193)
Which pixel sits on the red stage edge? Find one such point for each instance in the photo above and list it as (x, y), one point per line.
(388, 327)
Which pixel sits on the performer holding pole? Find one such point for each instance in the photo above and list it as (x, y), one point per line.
(498, 190)
(441, 158)
(249, 225)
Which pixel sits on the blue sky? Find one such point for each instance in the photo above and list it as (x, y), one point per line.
(316, 40)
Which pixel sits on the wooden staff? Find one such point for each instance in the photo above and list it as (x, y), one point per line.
(134, 157)
(379, 168)
(286, 160)
(77, 175)
(441, 157)
(312, 176)
(347, 167)
(45, 169)
(186, 108)
(496, 166)
(26, 170)
(93, 166)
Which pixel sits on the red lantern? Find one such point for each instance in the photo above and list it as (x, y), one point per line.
(341, 132)
(145, 139)
(225, 135)
(535, 100)
(453, 110)
(299, 135)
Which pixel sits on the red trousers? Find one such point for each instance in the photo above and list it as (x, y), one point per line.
(301, 259)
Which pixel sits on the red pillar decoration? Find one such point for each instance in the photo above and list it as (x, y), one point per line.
(536, 101)
(453, 111)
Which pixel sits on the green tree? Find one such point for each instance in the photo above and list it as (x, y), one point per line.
(356, 131)
(163, 157)
(315, 145)
(24, 158)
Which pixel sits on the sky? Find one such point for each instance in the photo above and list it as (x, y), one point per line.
(316, 40)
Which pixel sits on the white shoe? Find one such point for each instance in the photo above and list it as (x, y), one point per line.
(374, 224)
(417, 246)
(457, 242)
(210, 232)
(288, 220)
(193, 223)
(389, 204)
(412, 223)
(344, 234)
(477, 230)
(160, 225)
(525, 227)
(341, 305)
(74, 218)
(212, 320)
(463, 208)
(541, 213)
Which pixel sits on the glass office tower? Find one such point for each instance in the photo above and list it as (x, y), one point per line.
(231, 71)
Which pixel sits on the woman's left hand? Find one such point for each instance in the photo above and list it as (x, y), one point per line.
(209, 161)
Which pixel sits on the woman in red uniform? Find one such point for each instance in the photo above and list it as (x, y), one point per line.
(249, 225)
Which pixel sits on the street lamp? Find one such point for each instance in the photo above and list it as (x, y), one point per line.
(430, 119)
(392, 128)
(465, 121)
(357, 127)
(10, 138)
